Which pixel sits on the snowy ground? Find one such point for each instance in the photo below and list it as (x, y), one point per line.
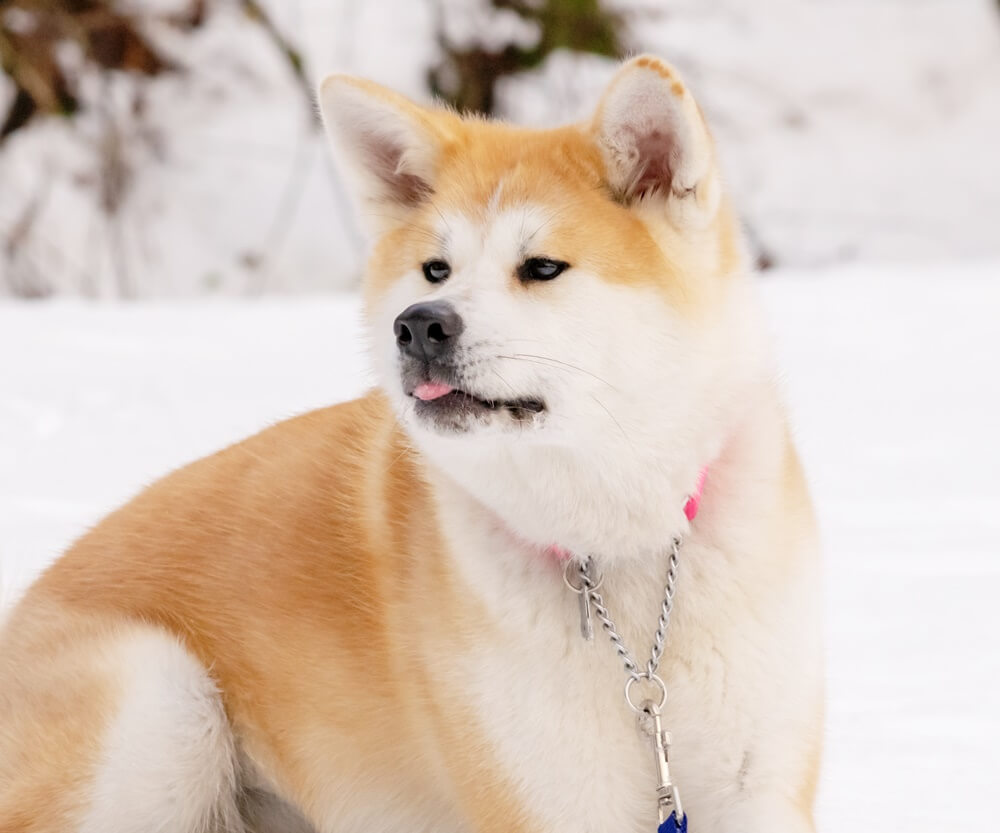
(893, 378)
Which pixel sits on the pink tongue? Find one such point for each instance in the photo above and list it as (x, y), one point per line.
(427, 391)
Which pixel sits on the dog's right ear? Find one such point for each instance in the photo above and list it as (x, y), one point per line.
(389, 146)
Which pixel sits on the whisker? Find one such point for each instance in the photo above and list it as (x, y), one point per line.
(407, 445)
(549, 359)
(615, 421)
(429, 234)
(552, 216)
(508, 384)
(444, 219)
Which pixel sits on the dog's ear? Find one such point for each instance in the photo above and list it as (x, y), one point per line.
(655, 142)
(389, 146)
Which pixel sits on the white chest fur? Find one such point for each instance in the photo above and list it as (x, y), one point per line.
(741, 664)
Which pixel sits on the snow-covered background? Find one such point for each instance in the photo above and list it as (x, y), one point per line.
(860, 137)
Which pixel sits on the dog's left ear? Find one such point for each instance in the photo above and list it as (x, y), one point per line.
(655, 142)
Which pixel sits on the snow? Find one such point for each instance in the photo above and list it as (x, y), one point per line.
(892, 378)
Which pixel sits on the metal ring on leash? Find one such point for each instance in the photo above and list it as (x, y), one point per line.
(575, 567)
(652, 678)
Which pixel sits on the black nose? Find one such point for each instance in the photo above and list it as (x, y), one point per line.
(427, 331)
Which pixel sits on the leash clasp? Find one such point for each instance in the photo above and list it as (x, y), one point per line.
(667, 795)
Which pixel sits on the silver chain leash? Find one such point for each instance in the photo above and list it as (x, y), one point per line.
(588, 592)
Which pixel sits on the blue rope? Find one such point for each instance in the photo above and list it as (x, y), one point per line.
(671, 825)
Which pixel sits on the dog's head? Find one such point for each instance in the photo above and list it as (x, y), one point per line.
(550, 311)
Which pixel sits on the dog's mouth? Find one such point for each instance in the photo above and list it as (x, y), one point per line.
(446, 404)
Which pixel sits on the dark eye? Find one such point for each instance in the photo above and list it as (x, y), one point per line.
(436, 270)
(540, 269)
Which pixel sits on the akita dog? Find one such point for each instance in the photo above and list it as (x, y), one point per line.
(374, 617)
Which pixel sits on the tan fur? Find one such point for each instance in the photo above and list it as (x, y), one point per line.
(556, 169)
(288, 573)
(49, 743)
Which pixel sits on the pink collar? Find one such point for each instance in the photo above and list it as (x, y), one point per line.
(691, 506)
(694, 499)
